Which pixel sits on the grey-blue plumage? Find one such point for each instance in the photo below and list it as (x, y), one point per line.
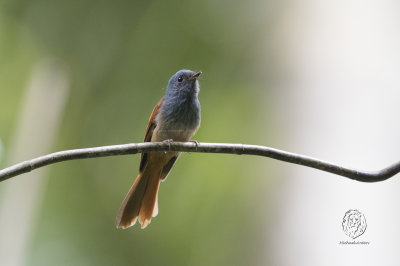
(180, 111)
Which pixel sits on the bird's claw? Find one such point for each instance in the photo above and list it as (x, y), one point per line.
(196, 143)
(168, 141)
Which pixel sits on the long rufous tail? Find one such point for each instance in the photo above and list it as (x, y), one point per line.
(141, 200)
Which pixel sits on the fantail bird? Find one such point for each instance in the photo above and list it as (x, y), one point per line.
(175, 117)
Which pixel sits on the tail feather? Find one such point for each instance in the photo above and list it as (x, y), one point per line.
(149, 206)
(155, 211)
(141, 201)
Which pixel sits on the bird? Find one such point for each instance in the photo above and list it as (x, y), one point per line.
(176, 117)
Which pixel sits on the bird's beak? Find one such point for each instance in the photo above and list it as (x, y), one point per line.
(195, 75)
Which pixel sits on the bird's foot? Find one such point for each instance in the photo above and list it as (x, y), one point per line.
(196, 143)
(168, 141)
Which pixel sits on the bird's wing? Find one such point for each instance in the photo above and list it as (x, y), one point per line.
(149, 132)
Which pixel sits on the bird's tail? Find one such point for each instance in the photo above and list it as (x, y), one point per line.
(141, 200)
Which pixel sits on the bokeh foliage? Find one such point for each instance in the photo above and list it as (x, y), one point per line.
(119, 56)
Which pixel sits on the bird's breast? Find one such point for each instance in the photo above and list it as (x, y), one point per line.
(177, 121)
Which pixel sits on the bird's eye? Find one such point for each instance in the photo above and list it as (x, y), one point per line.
(180, 79)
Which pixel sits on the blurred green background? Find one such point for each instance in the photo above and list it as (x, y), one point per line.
(115, 58)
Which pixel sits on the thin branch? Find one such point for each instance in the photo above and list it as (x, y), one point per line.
(132, 148)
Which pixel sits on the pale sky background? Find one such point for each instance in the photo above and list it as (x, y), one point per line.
(342, 98)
